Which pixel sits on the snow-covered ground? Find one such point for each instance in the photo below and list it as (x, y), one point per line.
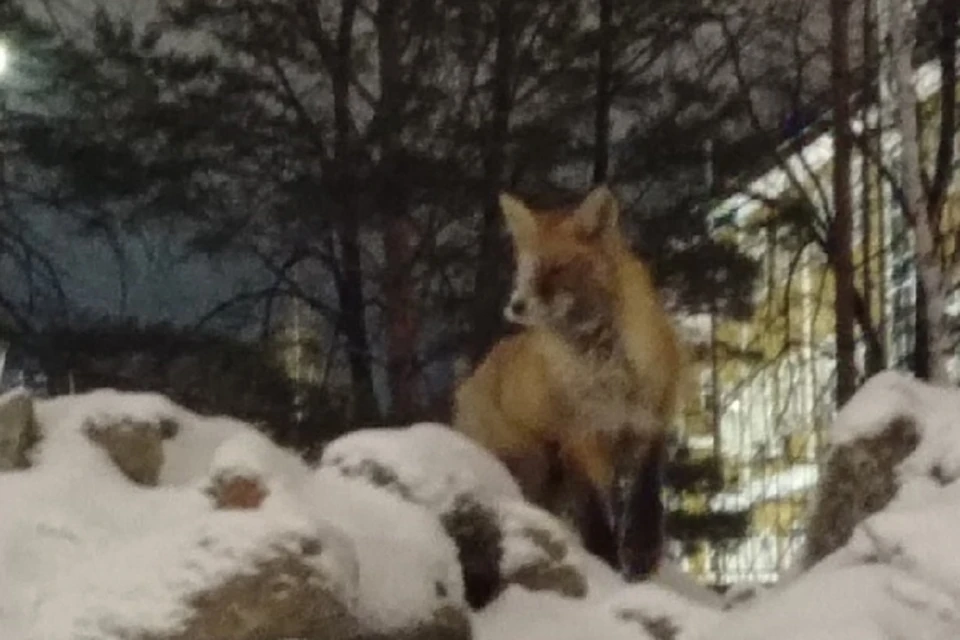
(363, 543)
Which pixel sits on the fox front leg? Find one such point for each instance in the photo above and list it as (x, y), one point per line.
(639, 505)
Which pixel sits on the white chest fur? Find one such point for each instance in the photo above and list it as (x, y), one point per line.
(599, 390)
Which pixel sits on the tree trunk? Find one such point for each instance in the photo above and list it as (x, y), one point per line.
(925, 222)
(402, 327)
(601, 149)
(921, 333)
(870, 208)
(842, 227)
(489, 288)
(948, 12)
(350, 288)
(399, 240)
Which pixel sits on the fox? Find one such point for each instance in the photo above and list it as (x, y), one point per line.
(587, 388)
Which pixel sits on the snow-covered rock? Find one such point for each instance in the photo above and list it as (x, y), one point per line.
(409, 575)
(539, 552)
(18, 429)
(475, 529)
(500, 538)
(227, 576)
(883, 564)
(859, 479)
(415, 533)
(135, 447)
(428, 463)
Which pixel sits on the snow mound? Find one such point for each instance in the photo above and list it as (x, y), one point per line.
(661, 612)
(249, 454)
(898, 575)
(934, 410)
(431, 462)
(519, 613)
(110, 557)
(85, 553)
(520, 549)
(407, 563)
(145, 584)
(88, 553)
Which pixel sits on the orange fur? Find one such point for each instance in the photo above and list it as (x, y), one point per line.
(555, 384)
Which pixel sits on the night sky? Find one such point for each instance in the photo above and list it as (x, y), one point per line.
(163, 281)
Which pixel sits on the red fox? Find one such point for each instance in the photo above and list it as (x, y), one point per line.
(590, 383)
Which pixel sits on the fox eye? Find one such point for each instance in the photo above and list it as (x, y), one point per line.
(549, 280)
(551, 272)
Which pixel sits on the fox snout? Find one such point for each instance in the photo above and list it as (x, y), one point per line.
(522, 308)
(517, 309)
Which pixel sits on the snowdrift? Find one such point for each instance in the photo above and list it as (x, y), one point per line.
(125, 516)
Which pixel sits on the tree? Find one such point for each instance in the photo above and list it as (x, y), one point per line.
(841, 231)
(800, 80)
(874, 233)
(204, 371)
(924, 197)
(603, 101)
(63, 165)
(357, 158)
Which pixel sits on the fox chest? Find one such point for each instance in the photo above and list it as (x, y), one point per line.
(594, 392)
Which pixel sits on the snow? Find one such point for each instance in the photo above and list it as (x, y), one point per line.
(556, 618)
(408, 565)
(249, 454)
(861, 602)
(104, 553)
(432, 461)
(916, 539)
(143, 585)
(519, 549)
(899, 575)
(890, 395)
(652, 602)
(672, 578)
(87, 554)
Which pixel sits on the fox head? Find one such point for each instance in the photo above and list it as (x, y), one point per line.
(566, 265)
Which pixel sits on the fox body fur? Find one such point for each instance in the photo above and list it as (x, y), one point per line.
(589, 385)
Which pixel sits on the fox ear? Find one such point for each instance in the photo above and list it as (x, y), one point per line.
(598, 215)
(520, 220)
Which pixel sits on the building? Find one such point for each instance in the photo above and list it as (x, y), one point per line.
(774, 382)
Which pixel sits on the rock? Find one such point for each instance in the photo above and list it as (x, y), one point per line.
(478, 503)
(859, 480)
(268, 574)
(285, 598)
(18, 429)
(537, 551)
(136, 447)
(237, 492)
(475, 529)
(449, 623)
(409, 570)
(427, 463)
(379, 476)
(432, 466)
(243, 467)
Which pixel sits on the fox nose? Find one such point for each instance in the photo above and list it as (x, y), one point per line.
(518, 307)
